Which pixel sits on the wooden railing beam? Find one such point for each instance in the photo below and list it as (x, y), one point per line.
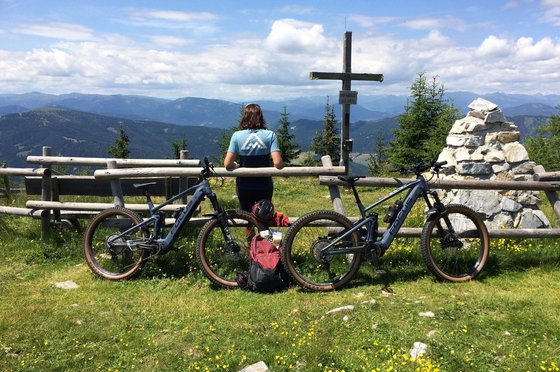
(121, 163)
(220, 171)
(451, 184)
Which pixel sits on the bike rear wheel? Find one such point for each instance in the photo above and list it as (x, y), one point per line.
(302, 257)
(456, 248)
(109, 261)
(219, 260)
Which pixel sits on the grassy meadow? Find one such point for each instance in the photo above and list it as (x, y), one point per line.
(172, 318)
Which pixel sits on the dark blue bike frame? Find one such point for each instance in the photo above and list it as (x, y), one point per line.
(199, 192)
(415, 189)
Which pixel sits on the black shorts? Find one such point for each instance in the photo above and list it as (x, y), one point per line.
(248, 197)
(252, 189)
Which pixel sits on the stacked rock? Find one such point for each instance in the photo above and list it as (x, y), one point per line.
(484, 146)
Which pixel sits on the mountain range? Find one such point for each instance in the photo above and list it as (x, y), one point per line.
(87, 124)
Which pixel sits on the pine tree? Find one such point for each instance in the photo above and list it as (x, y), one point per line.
(120, 146)
(378, 161)
(288, 148)
(543, 149)
(327, 140)
(424, 125)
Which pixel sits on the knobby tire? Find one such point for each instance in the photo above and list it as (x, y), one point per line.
(301, 250)
(456, 259)
(103, 260)
(222, 263)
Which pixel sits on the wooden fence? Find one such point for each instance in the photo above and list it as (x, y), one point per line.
(548, 182)
(119, 170)
(117, 177)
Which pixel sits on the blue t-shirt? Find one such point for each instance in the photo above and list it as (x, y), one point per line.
(253, 146)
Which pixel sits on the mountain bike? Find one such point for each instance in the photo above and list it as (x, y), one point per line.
(323, 249)
(118, 241)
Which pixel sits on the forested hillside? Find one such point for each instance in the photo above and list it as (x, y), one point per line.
(87, 125)
(76, 133)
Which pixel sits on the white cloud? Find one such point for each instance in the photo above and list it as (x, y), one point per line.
(195, 22)
(171, 15)
(435, 38)
(370, 22)
(61, 31)
(494, 47)
(275, 64)
(297, 9)
(169, 41)
(293, 37)
(551, 11)
(497, 64)
(435, 23)
(423, 23)
(541, 50)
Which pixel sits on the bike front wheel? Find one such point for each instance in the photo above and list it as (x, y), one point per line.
(455, 245)
(107, 253)
(221, 261)
(304, 258)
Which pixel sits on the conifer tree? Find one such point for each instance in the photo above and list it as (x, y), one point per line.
(288, 148)
(120, 146)
(424, 125)
(543, 149)
(327, 140)
(378, 161)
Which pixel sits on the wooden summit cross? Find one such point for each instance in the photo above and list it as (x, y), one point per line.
(346, 96)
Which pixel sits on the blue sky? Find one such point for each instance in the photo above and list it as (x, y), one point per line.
(250, 50)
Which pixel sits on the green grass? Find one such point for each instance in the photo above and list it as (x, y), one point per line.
(172, 318)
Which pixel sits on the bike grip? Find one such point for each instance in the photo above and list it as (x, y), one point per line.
(440, 163)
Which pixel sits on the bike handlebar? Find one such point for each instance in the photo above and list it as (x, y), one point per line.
(207, 168)
(436, 166)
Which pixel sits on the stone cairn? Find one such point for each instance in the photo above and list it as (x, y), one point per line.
(484, 146)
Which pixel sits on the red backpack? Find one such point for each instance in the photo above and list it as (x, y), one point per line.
(266, 273)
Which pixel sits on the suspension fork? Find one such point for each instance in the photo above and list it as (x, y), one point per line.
(221, 215)
(437, 209)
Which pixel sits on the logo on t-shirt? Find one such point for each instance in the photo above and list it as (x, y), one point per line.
(253, 142)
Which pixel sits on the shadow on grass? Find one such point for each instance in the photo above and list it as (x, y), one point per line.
(515, 256)
(511, 257)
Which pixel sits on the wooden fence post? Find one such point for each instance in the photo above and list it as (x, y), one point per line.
(7, 184)
(46, 194)
(116, 188)
(183, 181)
(333, 189)
(552, 196)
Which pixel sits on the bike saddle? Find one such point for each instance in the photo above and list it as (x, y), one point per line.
(143, 186)
(350, 179)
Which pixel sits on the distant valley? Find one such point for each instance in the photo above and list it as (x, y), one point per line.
(87, 125)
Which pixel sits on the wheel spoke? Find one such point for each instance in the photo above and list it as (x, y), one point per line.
(455, 248)
(102, 236)
(219, 260)
(305, 257)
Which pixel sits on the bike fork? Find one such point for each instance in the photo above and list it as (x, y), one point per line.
(437, 209)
